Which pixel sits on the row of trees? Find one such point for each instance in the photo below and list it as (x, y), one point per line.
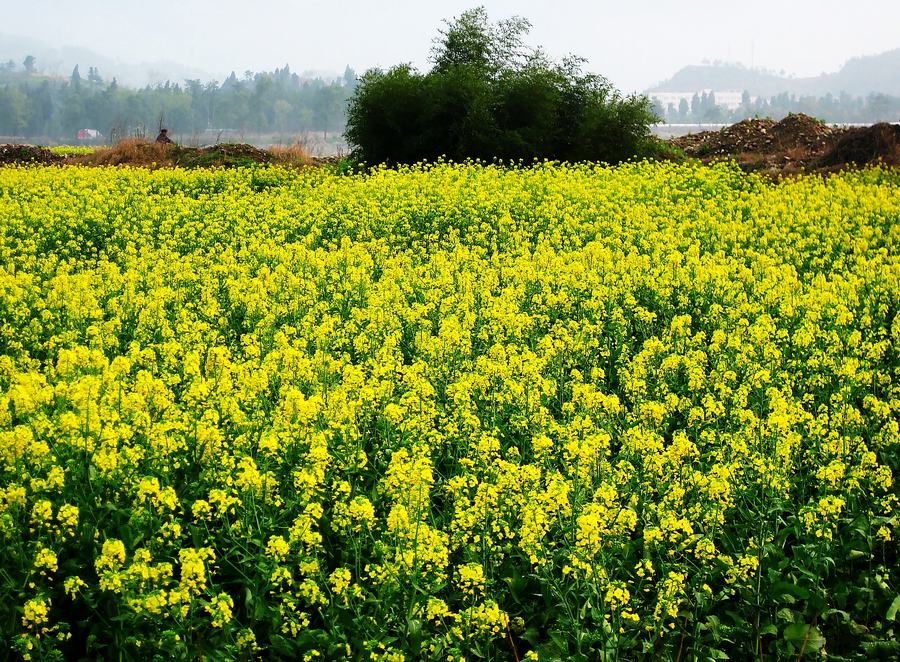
(703, 108)
(33, 105)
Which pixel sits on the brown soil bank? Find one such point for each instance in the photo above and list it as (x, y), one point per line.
(798, 143)
(27, 154)
(794, 145)
(879, 142)
(155, 155)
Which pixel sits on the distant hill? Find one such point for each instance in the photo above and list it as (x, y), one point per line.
(859, 76)
(59, 61)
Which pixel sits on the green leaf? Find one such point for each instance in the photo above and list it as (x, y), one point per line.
(785, 614)
(816, 603)
(788, 588)
(550, 651)
(836, 612)
(559, 639)
(736, 618)
(414, 627)
(892, 610)
(858, 628)
(881, 648)
(798, 633)
(585, 609)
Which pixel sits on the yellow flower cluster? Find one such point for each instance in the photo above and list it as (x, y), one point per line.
(446, 411)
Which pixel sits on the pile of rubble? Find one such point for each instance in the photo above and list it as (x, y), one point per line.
(879, 142)
(802, 132)
(155, 155)
(134, 152)
(745, 136)
(798, 143)
(225, 154)
(26, 154)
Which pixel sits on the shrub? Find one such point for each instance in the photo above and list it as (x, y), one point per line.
(487, 97)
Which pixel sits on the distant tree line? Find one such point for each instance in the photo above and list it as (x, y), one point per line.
(279, 102)
(703, 108)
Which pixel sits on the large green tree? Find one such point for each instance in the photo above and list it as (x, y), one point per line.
(488, 96)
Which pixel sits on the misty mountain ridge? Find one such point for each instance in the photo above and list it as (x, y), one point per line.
(859, 76)
(60, 61)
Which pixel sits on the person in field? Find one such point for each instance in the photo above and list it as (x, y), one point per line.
(163, 137)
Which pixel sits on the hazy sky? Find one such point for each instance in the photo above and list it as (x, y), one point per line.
(635, 43)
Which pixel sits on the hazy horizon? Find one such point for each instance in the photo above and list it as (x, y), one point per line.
(635, 46)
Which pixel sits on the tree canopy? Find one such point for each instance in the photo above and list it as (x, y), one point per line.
(489, 96)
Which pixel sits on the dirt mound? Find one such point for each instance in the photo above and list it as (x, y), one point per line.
(156, 155)
(879, 143)
(127, 152)
(25, 154)
(801, 132)
(227, 155)
(760, 136)
(798, 143)
(745, 136)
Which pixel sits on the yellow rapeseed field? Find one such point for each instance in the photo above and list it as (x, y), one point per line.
(72, 150)
(449, 412)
